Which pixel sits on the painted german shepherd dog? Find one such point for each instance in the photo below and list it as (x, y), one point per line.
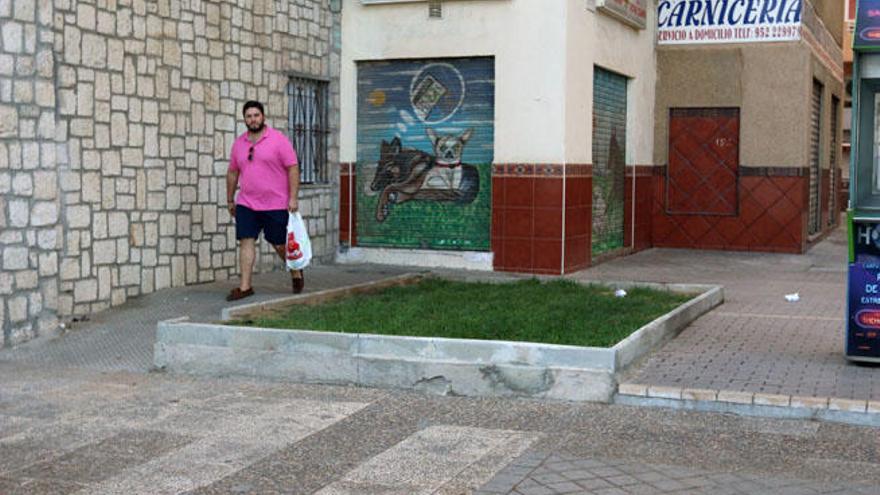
(405, 174)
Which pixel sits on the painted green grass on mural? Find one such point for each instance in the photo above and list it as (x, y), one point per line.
(556, 312)
(427, 224)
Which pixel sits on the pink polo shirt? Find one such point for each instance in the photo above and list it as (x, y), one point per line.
(262, 181)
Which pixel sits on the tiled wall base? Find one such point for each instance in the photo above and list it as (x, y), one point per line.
(530, 233)
(578, 217)
(347, 205)
(644, 194)
(771, 216)
(527, 217)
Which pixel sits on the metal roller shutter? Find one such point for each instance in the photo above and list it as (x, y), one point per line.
(425, 145)
(609, 160)
(815, 145)
(832, 177)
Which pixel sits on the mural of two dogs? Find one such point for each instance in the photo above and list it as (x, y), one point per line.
(405, 174)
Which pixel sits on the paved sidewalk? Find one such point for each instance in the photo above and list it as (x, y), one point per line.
(72, 430)
(756, 348)
(122, 338)
(80, 414)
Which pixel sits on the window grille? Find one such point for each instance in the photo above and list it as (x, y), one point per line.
(307, 127)
(435, 9)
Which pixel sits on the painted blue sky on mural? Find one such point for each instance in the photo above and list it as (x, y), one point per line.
(447, 96)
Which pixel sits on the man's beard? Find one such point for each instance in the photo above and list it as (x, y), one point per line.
(256, 128)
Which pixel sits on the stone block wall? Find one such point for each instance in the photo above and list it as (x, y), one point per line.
(31, 237)
(116, 120)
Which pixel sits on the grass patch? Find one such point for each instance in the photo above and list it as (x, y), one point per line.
(556, 312)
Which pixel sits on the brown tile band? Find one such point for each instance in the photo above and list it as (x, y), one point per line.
(745, 171)
(703, 112)
(774, 171)
(641, 170)
(545, 170)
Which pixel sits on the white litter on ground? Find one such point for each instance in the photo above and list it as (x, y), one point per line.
(793, 297)
(620, 293)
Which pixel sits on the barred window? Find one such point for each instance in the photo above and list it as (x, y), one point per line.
(307, 125)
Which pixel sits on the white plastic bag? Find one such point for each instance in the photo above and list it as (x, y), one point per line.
(299, 247)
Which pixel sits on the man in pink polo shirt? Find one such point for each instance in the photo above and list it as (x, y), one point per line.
(263, 165)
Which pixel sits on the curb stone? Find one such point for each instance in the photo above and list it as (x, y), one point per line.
(861, 412)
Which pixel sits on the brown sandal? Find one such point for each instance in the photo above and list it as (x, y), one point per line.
(236, 294)
(298, 282)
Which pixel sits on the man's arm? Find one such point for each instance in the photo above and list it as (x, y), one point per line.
(293, 180)
(231, 184)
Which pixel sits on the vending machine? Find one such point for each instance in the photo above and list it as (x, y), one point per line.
(863, 214)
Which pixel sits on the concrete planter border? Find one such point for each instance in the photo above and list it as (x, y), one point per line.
(320, 297)
(435, 365)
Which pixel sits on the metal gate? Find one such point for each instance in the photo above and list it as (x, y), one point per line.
(815, 220)
(609, 160)
(425, 146)
(702, 177)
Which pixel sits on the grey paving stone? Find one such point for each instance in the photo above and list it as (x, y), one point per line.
(535, 490)
(546, 478)
(78, 468)
(649, 477)
(595, 484)
(623, 480)
(136, 444)
(642, 489)
(610, 491)
(669, 485)
(606, 472)
(564, 487)
(15, 455)
(10, 486)
(578, 474)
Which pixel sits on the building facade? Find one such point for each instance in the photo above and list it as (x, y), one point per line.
(849, 25)
(532, 136)
(748, 126)
(116, 120)
(493, 134)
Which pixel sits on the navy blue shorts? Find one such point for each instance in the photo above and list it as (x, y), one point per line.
(249, 224)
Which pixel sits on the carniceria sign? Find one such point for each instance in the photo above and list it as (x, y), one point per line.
(686, 22)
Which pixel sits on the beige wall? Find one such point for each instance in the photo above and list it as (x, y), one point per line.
(832, 87)
(770, 83)
(847, 41)
(526, 37)
(544, 55)
(776, 106)
(832, 14)
(596, 39)
(719, 85)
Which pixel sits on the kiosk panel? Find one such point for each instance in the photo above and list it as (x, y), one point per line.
(863, 327)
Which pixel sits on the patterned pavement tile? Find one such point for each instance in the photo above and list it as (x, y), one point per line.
(651, 480)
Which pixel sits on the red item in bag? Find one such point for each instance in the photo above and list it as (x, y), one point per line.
(293, 251)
